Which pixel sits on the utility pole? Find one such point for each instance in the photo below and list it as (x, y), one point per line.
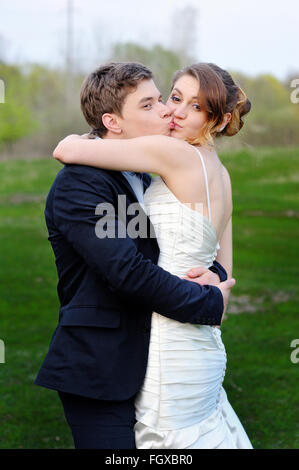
(185, 33)
(69, 50)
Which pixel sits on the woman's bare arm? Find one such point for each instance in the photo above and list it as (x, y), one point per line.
(225, 253)
(156, 154)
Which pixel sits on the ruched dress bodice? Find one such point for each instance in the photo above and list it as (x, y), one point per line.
(186, 238)
(182, 402)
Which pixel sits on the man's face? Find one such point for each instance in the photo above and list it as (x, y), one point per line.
(144, 113)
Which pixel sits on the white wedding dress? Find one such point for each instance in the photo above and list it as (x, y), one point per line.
(182, 404)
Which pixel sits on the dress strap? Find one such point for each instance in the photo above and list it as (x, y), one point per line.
(207, 184)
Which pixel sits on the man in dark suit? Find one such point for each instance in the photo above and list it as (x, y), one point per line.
(109, 286)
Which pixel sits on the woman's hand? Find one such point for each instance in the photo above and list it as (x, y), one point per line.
(59, 152)
(203, 276)
(71, 137)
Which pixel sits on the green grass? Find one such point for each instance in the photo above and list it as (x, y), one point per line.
(260, 379)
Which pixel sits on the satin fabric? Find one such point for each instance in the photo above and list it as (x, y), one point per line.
(182, 403)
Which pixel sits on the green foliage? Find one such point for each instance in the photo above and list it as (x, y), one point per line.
(16, 117)
(161, 61)
(43, 105)
(273, 119)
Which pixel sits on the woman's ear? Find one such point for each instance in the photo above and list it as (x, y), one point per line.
(226, 119)
(111, 123)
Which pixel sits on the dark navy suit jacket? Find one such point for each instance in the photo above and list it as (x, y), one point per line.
(108, 289)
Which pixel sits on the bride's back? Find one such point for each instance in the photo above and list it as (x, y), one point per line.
(207, 177)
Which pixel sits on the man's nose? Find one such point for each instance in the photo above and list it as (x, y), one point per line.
(165, 111)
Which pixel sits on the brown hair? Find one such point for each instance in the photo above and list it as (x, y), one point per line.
(105, 90)
(218, 95)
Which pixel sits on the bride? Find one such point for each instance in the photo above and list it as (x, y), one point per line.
(182, 404)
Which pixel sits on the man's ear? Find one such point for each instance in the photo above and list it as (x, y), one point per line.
(111, 123)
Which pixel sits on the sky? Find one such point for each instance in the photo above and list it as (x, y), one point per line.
(256, 36)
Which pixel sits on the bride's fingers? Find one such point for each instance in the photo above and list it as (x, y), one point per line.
(187, 278)
(195, 272)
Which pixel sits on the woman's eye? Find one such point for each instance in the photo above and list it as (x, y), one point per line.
(197, 107)
(175, 98)
(147, 106)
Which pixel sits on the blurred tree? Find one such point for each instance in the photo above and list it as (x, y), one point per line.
(291, 76)
(56, 116)
(34, 116)
(3, 49)
(16, 118)
(162, 62)
(184, 34)
(273, 119)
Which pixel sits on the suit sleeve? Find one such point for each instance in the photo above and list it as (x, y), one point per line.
(117, 260)
(219, 269)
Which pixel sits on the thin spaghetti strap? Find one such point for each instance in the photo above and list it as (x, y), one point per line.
(207, 184)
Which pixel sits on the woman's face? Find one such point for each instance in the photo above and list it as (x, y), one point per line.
(188, 118)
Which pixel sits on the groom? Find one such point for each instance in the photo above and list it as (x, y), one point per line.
(109, 287)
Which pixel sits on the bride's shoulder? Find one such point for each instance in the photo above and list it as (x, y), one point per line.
(226, 177)
(212, 157)
(227, 186)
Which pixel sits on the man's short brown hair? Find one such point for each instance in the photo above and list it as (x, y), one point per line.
(105, 90)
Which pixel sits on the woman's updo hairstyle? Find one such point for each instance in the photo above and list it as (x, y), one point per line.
(237, 102)
(218, 95)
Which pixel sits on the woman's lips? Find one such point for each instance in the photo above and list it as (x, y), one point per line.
(174, 125)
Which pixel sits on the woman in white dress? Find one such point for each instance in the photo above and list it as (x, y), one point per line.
(182, 404)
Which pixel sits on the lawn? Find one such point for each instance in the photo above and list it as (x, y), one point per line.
(262, 320)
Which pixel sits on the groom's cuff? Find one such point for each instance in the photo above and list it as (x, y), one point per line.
(218, 269)
(215, 311)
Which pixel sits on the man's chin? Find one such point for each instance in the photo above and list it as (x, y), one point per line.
(167, 133)
(172, 133)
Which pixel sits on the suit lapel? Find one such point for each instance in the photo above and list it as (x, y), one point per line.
(120, 178)
(146, 180)
(124, 182)
(117, 175)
